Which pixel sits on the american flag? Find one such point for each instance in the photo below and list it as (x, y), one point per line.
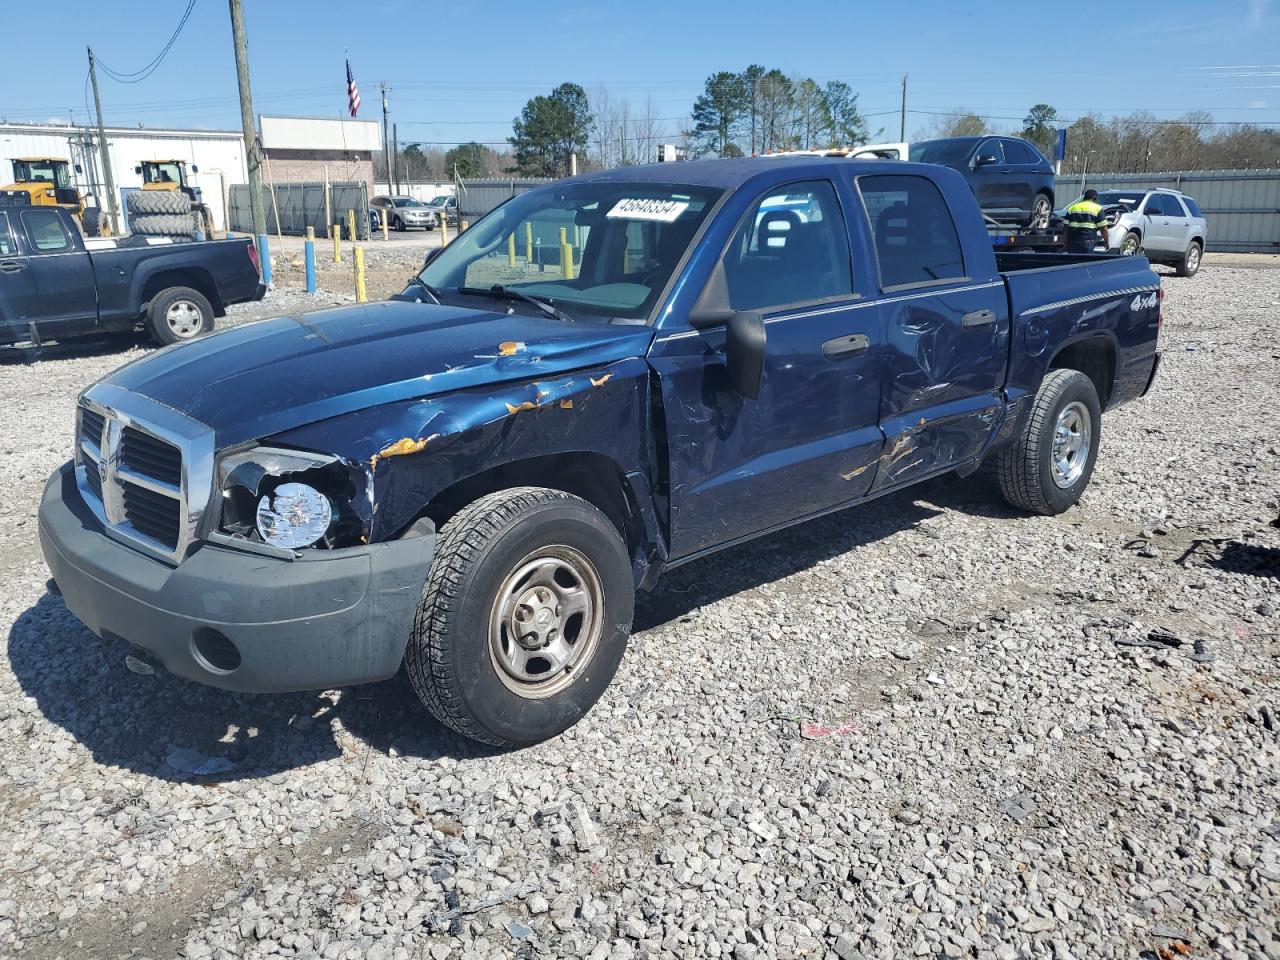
(353, 93)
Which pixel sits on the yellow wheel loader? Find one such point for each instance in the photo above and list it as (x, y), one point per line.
(46, 182)
(171, 175)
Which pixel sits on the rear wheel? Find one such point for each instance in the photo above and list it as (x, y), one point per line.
(1189, 265)
(1041, 209)
(1130, 245)
(179, 314)
(1048, 467)
(524, 617)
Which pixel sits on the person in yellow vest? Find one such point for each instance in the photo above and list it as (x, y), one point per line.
(1085, 222)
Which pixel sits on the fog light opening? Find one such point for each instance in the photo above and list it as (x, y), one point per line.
(213, 651)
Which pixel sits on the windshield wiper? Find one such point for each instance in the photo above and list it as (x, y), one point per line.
(432, 292)
(499, 292)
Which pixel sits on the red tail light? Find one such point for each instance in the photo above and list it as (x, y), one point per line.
(1160, 308)
(252, 250)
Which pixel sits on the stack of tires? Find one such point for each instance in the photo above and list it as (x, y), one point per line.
(162, 213)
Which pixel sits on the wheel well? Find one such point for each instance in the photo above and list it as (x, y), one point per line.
(591, 476)
(1046, 193)
(1095, 358)
(193, 278)
(1199, 240)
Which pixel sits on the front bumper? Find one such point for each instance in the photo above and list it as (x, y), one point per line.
(328, 619)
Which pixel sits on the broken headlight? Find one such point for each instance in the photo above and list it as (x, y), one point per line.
(290, 499)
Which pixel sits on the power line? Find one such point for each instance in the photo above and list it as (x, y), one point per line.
(1161, 123)
(150, 68)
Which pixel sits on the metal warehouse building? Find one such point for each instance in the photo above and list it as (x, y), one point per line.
(219, 155)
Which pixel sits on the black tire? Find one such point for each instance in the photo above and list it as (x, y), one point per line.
(93, 222)
(1130, 244)
(165, 225)
(1189, 265)
(397, 224)
(1041, 211)
(1026, 467)
(161, 325)
(149, 202)
(451, 660)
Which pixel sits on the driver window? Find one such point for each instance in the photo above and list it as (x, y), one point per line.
(791, 248)
(991, 148)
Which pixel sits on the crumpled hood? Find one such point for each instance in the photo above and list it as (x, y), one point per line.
(262, 378)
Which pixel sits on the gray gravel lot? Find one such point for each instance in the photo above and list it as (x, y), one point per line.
(929, 727)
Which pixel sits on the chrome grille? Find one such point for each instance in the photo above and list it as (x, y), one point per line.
(144, 469)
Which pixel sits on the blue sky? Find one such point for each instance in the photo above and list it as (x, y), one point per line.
(461, 71)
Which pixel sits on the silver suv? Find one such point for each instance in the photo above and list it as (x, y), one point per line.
(1164, 225)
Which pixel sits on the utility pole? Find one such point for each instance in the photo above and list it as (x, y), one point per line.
(395, 159)
(386, 140)
(252, 153)
(112, 210)
(902, 130)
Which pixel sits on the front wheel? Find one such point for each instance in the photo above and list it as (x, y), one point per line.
(1189, 265)
(1130, 245)
(179, 314)
(1047, 468)
(524, 617)
(397, 224)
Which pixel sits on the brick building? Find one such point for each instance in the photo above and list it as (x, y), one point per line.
(305, 149)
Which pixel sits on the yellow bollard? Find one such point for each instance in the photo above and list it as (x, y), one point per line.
(528, 242)
(386, 225)
(337, 243)
(351, 226)
(566, 260)
(511, 251)
(444, 229)
(361, 294)
(463, 224)
(564, 236)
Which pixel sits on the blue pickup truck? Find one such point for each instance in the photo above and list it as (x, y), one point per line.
(473, 479)
(56, 285)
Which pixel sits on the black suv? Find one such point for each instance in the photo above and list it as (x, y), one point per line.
(1011, 179)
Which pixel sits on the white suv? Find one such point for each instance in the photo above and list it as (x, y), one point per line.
(1164, 225)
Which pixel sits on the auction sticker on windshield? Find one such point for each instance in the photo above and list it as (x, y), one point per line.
(648, 208)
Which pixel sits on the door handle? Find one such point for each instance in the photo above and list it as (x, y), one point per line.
(979, 318)
(841, 348)
(12, 266)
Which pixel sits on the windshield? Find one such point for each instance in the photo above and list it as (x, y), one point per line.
(41, 171)
(592, 249)
(166, 171)
(1113, 198)
(438, 202)
(948, 153)
(407, 202)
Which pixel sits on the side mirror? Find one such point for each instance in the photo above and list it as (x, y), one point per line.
(431, 255)
(985, 160)
(194, 168)
(79, 169)
(138, 169)
(744, 343)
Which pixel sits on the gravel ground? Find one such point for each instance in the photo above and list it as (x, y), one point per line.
(929, 727)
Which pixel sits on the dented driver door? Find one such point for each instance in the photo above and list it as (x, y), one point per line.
(809, 442)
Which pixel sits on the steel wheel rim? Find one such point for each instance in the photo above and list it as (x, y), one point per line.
(1193, 258)
(184, 319)
(1040, 214)
(1072, 439)
(546, 622)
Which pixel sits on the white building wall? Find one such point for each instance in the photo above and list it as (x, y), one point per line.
(218, 154)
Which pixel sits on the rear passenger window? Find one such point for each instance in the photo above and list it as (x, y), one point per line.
(45, 231)
(1018, 151)
(915, 236)
(791, 248)
(1193, 207)
(7, 247)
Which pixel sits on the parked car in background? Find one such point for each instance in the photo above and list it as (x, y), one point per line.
(1010, 178)
(1164, 225)
(474, 478)
(54, 284)
(404, 212)
(446, 206)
